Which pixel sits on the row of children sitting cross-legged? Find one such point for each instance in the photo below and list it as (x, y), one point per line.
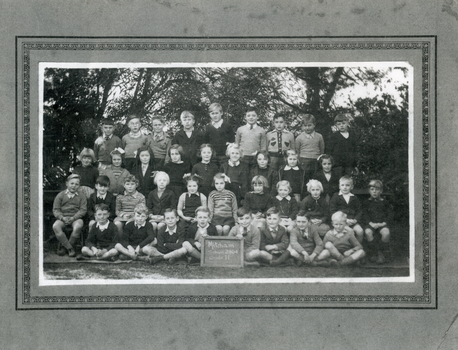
(69, 209)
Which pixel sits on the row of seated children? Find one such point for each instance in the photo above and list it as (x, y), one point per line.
(269, 245)
(222, 205)
(250, 138)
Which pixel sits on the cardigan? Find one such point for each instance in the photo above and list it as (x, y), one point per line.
(287, 207)
(102, 239)
(316, 208)
(137, 236)
(167, 242)
(158, 205)
(346, 242)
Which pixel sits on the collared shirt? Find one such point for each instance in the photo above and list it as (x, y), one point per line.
(287, 167)
(106, 138)
(244, 230)
(171, 232)
(203, 230)
(102, 197)
(376, 199)
(188, 133)
(140, 226)
(70, 194)
(138, 134)
(197, 194)
(103, 227)
(310, 136)
(288, 198)
(304, 233)
(232, 163)
(346, 196)
(217, 125)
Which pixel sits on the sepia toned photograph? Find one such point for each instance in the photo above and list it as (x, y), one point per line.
(289, 182)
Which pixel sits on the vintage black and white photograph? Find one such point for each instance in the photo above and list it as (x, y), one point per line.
(276, 176)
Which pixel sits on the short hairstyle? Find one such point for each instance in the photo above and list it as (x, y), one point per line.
(103, 180)
(272, 211)
(187, 114)
(131, 178)
(339, 216)
(233, 146)
(215, 106)
(376, 183)
(308, 118)
(277, 116)
(241, 212)
(325, 156)
(161, 174)
(130, 117)
(205, 145)
(177, 147)
(107, 121)
(314, 183)
(218, 176)
(194, 177)
(251, 109)
(157, 117)
(265, 154)
(303, 213)
(259, 180)
(87, 152)
(202, 209)
(341, 117)
(141, 208)
(73, 176)
(284, 183)
(290, 152)
(170, 210)
(346, 178)
(101, 206)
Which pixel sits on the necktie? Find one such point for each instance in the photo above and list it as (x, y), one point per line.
(251, 127)
(245, 231)
(106, 138)
(279, 142)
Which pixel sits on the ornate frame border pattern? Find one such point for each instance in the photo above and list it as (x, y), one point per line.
(28, 46)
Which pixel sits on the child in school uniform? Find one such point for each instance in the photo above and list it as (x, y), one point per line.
(237, 172)
(206, 169)
(316, 207)
(279, 141)
(223, 207)
(126, 203)
(189, 201)
(102, 236)
(132, 141)
(251, 138)
(188, 138)
(340, 243)
(87, 171)
(106, 143)
(101, 196)
(159, 142)
(69, 208)
(343, 146)
(259, 200)
(160, 199)
(145, 170)
(218, 133)
(306, 244)
(309, 146)
(327, 176)
(138, 236)
(377, 217)
(287, 205)
(274, 240)
(249, 232)
(170, 240)
(178, 169)
(115, 172)
(262, 168)
(194, 237)
(294, 174)
(349, 204)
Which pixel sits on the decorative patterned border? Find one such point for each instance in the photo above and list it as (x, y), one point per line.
(27, 49)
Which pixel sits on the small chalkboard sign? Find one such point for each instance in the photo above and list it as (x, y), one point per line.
(222, 251)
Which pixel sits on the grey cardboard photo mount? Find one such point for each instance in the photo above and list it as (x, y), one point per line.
(417, 51)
